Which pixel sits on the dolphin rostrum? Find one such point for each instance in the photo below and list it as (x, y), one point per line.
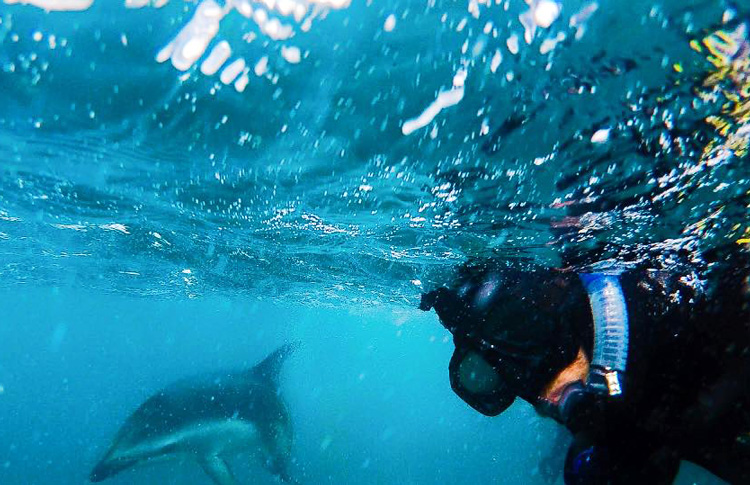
(209, 418)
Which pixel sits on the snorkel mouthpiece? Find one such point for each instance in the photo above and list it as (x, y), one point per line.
(610, 316)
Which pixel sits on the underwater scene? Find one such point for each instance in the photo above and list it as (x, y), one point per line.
(374, 242)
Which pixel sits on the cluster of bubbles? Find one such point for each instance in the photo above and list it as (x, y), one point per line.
(277, 20)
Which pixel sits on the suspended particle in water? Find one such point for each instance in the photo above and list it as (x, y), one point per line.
(390, 23)
(325, 443)
(600, 136)
(496, 60)
(512, 44)
(261, 67)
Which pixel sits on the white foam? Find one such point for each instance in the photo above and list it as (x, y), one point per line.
(193, 49)
(299, 11)
(291, 54)
(529, 27)
(459, 78)
(278, 31)
(545, 13)
(541, 13)
(600, 136)
(512, 44)
(260, 16)
(335, 4)
(233, 70)
(496, 60)
(218, 56)
(191, 42)
(580, 18)
(242, 82)
(549, 44)
(145, 3)
(165, 53)
(444, 100)
(261, 67)
(243, 7)
(56, 5)
(272, 27)
(136, 3)
(285, 7)
(121, 228)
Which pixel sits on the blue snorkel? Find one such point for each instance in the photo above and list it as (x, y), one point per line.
(610, 315)
(581, 402)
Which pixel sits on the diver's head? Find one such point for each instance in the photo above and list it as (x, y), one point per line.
(511, 330)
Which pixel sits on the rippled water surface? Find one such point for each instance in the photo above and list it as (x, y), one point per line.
(126, 174)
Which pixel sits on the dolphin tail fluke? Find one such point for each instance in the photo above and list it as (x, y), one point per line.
(270, 367)
(218, 469)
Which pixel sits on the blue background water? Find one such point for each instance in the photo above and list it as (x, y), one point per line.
(367, 389)
(153, 226)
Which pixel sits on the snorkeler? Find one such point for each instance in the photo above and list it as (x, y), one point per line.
(646, 368)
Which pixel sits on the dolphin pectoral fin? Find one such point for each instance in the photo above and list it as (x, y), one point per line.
(218, 469)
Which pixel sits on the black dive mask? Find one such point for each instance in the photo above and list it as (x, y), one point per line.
(473, 378)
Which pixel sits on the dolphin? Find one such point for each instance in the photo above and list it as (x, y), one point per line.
(209, 418)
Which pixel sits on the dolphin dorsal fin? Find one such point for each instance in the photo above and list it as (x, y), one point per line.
(270, 367)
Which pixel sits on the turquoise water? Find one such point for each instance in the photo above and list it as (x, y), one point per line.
(367, 390)
(157, 223)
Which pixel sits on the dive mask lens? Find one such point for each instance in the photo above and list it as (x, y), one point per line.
(478, 384)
